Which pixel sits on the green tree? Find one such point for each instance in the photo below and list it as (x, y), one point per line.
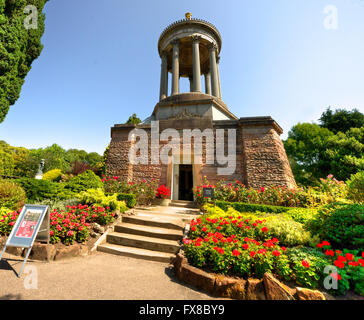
(19, 47)
(341, 120)
(315, 152)
(133, 119)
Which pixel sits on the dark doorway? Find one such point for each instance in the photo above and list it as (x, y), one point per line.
(185, 183)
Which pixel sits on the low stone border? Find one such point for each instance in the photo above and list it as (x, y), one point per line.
(60, 251)
(268, 288)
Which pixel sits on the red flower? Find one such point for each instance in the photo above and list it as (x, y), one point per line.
(264, 229)
(329, 253)
(349, 256)
(283, 249)
(252, 253)
(236, 253)
(204, 229)
(193, 229)
(245, 246)
(335, 276)
(305, 264)
(339, 264)
(276, 253)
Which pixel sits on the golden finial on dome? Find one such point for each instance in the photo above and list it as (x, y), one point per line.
(188, 15)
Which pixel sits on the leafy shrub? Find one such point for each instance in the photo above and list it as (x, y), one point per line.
(98, 198)
(290, 233)
(301, 215)
(38, 190)
(355, 187)
(350, 268)
(58, 205)
(248, 207)
(53, 175)
(129, 199)
(12, 195)
(84, 181)
(143, 190)
(345, 227)
(7, 220)
(310, 273)
(6, 164)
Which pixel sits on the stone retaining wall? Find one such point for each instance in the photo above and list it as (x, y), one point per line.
(268, 288)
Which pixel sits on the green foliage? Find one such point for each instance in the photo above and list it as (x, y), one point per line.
(53, 175)
(98, 198)
(301, 215)
(355, 186)
(314, 151)
(290, 233)
(84, 181)
(130, 199)
(133, 119)
(6, 164)
(341, 120)
(19, 47)
(12, 196)
(38, 190)
(248, 207)
(58, 205)
(345, 227)
(307, 277)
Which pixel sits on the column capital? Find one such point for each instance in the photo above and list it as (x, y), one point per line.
(195, 38)
(175, 42)
(212, 47)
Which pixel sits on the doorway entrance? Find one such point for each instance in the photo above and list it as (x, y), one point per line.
(185, 183)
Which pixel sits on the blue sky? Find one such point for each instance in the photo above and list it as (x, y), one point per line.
(100, 64)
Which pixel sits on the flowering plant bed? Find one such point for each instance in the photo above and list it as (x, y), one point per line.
(242, 247)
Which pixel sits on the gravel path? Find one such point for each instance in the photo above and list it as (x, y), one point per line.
(98, 276)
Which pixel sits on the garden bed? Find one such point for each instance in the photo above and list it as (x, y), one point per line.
(60, 251)
(267, 288)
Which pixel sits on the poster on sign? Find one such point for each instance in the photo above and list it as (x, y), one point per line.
(27, 225)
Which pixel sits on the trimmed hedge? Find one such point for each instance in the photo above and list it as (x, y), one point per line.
(249, 207)
(130, 199)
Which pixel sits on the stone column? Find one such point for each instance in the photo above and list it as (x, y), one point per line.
(218, 75)
(191, 83)
(164, 78)
(213, 70)
(208, 83)
(196, 63)
(175, 67)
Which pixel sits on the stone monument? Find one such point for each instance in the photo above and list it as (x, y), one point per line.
(190, 48)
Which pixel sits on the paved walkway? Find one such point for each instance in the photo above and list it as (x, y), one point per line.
(98, 276)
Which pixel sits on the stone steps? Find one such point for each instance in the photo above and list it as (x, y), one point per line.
(153, 232)
(183, 204)
(150, 235)
(153, 220)
(142, 242)
(136, 253)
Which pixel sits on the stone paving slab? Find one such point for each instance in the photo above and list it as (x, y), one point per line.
(99, 276)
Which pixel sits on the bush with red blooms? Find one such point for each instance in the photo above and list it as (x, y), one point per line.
(163, 192)
(350, 268)
(66, 226)
(7, 220)
(242, 247)
(143, 190)
(74, 224)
